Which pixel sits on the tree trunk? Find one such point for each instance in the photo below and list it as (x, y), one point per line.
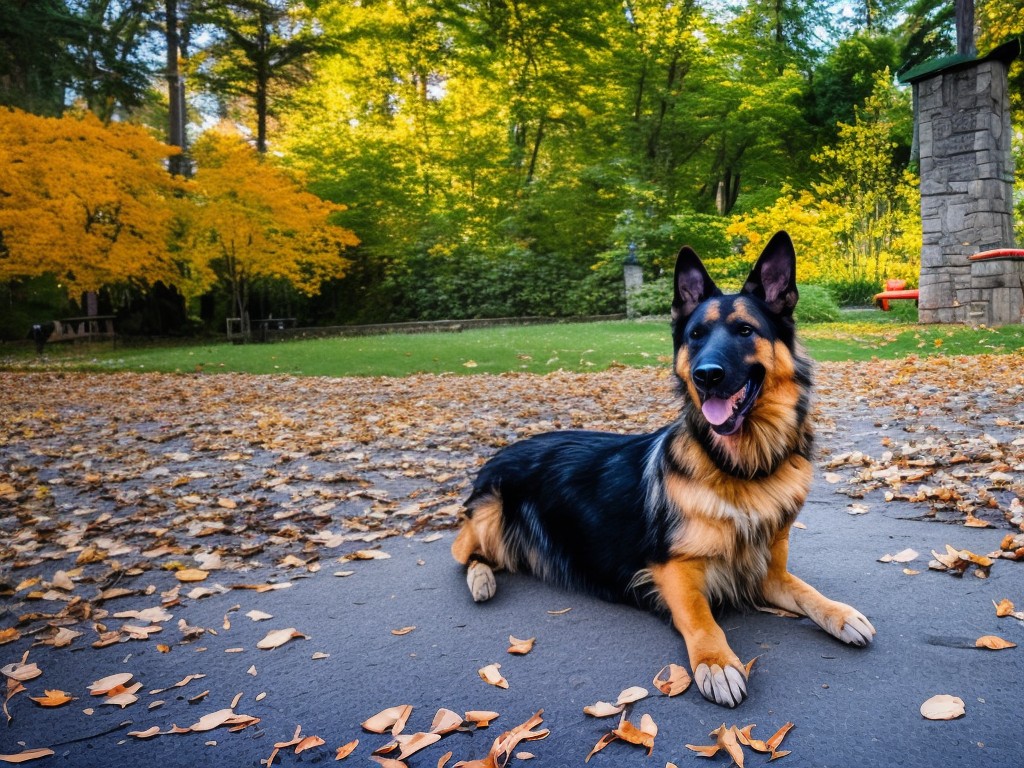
(536, 152)
(175, 92)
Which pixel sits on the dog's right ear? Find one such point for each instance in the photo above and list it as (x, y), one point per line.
(692, 285)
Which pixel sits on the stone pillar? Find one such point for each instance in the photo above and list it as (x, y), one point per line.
(963, 126)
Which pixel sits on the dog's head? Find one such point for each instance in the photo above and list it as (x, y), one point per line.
(735, 354)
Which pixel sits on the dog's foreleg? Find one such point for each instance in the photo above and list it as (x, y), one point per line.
(784, 590)
(718, 672)
(478, 547)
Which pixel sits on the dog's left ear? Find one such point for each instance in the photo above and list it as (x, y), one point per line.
(773, 277)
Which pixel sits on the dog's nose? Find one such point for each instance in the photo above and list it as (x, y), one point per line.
(708, 375)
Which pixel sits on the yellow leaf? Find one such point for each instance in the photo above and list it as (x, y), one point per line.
(53, 698)
(191, 574)
(402, 631)
(1004, 607)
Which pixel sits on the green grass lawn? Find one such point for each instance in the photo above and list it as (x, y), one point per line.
(537, 349)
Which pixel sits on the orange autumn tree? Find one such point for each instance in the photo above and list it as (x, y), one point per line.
(91, 204)
(252, 221)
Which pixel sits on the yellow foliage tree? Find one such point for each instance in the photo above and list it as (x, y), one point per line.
(253, 221)
(89, 203)
(860, 225)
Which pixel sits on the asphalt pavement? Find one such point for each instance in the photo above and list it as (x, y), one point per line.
(849, 706)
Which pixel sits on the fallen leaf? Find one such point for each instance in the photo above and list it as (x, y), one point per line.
(146, 734)
(369, 554)
(603, 709)
(346, 749)
(402, 631)
(53, 698)
(633, 735)
(278, 637)
(121, 700)
(258, 615)
(309, 743)
(672, 680)
(560, 613)
(445, 721)
(21, 672)
(520, 647)
(906, 556)
(993, 643)
(481, 718)
(9, 635)
(392, 719)
(631, 695)
(28, 754)
(105, 685)
(603, 742)
(413, 743)
(191, 574)
(492, 676)
(943, 707)
(1004, 607)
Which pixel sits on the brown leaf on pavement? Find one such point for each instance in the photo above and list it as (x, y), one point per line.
(392, 719)
(492, 676)
(993, 643)
(346, 749)
(672, 680)
(943, 707)
(28, 754)
(278, 637)
(520, 647)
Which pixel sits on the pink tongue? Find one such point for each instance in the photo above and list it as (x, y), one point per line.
(716, 410)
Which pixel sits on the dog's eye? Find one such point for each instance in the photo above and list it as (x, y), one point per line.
(745, 330)
(697, 333)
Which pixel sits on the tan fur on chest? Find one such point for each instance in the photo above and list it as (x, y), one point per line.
(723, 515)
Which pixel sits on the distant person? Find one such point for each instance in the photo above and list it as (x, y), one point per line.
(39, 334)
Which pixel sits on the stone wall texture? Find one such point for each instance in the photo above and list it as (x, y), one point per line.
(966, 189)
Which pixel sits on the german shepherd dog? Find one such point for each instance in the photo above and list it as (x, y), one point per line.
(695, 514)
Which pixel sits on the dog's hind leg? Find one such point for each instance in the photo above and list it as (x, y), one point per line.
(479, 547)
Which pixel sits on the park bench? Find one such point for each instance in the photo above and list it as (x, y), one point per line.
(87, 328)
(895, 290)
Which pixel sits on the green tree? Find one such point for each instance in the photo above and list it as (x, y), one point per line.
(257, 50)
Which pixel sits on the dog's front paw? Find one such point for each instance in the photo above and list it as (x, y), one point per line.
(480, 579)
(847, 624)
(725, 685)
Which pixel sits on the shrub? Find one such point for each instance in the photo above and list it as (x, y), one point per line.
(816, 305)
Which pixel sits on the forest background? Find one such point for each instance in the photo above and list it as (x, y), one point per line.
(353, 161)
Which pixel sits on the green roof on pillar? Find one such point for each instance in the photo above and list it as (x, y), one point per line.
(1006, 52)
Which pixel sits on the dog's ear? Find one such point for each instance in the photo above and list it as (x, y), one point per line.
(692, 285)
(773, 277)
